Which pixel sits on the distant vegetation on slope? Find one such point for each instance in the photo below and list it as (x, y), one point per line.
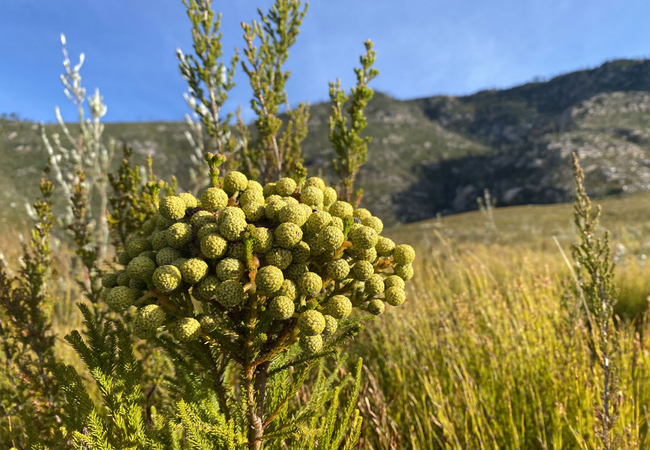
(439, 153)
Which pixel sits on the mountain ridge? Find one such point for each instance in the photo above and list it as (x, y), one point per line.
(438, 154)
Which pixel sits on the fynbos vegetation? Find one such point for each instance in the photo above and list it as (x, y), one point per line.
(230, 308)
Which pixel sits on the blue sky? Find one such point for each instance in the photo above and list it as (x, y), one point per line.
(424, 47)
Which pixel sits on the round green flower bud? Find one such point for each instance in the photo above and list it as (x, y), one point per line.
(339, 307)
(269, 189)
(254, 185)
(214, 199)
(162, 222)
(166, 278)
(375, 223)
(279, 257)
(330, 239)
(288, 289)
(311, 344)
(317, 221)
(367, 254)
(314, 182)
(363, 237)
(331, 325)
(105, 293)
(290, 200)
(310, 284)
(395, 296)
(172, 207)
(405, 272)
(122, 278)
(213, 246)
(281, 308)
(269, 279)
(337, 222)
(229, 269)
(207, 229)
(121, 297)
(230, 293)
(376, 307)
(311, 196)
(123, 258)
(354, 227)
(403, 254)
(149, 226)
(149, 254)
(179, 235)
(394, 280)
(194, 270)
(159, 240)
(384, 246)
(208, 324)
(307, 211)
(362, 270)
(230, 213)
(274, 198)
(138, 285)
(341, 209)
(109, 280)
(285, 187)
(143, 333)
(235, 182)
(263, 239)
(251, 196)
(295, 271)
(300, 253)
(232, 224)
(201, 218)
(374, 285)
(338, 269)
(138, 245)
(189, 199)
(362, 213)
(151, 317)
(179, 262)
(287, 235)
(273, 208)
(254, 211)
(292, 214)
(311, 323)
(207, 288)
(187, 329)
(237, 250)
(140, 268)
(329, 196)
(311, 239)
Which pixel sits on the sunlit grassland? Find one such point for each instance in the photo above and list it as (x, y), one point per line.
(491, 350)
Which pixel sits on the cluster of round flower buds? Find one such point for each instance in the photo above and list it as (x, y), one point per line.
(295, 255)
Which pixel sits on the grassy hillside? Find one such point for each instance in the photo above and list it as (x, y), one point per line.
(438, 154)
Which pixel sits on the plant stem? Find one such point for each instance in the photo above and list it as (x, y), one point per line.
(255, 407)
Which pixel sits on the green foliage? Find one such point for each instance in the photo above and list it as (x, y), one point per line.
(206, 74)
(108, 355)
(352, 149)
(276, 155)
(131, 204)
(594, 271)
(27, 387)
